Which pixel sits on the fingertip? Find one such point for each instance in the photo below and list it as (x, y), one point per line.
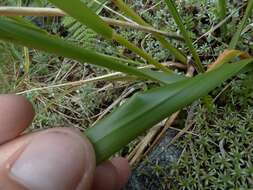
(111, 175)
(53, 159)
(17, 101)
(123, 169)
(105, 177)
(16, 114)
(26, 103)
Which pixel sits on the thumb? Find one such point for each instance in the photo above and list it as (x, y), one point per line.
(55, 159)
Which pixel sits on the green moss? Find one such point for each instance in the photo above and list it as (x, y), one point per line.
(220, 156)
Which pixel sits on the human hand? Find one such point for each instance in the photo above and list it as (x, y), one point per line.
(53, 159)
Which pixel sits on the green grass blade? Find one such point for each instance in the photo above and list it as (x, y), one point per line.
(237, 35)
(27, 36)
(131, 13)
(97, 6)
(164, 77)
(188, 40)
(222, 8)
(145, 110)
(179, 55)
(83, 14)
(222, 12)
(140, 52)
(20, 20)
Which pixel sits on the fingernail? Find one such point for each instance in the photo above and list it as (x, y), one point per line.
(52, 161)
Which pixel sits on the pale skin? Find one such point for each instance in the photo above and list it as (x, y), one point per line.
(53, 159)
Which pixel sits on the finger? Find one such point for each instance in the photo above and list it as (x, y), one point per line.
(123, 170)
(111, 175)
(55, 159)
(16, 114)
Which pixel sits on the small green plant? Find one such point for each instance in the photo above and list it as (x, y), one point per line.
(221, 148)
(143, 110)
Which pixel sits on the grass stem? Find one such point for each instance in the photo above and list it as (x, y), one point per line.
(172, 7)
(131, 13)
(237, 35)
(140, 52)
(222, 12)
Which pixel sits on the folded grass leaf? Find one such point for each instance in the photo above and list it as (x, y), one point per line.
(144, 110)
